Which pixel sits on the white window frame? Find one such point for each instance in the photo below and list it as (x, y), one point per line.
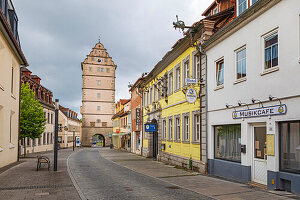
(196, 135)
(263, 38)
(170, 128)
(236, 63)
(177, 68)
(177, 125)
(238, 7)
(170, 81)
(219, 86)
(164, 129)
(185, 69)
(186, 127)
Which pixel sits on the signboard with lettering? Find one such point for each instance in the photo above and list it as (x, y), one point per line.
(190, 81)
(191, 95)
(150, 127)
(138, 116)
(260, 112)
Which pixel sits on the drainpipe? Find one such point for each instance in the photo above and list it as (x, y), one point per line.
(206, 114)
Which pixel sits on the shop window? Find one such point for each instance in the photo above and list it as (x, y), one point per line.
(271, 51)
(220, 72)
(241, 63)
(228, 142)
(290, 146)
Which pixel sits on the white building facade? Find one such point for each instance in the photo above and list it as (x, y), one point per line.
(253, 87)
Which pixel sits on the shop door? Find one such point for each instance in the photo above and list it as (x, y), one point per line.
(259, 167)
(155, 144)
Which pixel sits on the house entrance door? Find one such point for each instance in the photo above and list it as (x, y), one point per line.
(259, 166)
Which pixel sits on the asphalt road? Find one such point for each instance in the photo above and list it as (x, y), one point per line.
(99, 178)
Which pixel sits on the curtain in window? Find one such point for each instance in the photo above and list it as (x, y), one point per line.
(228, 142)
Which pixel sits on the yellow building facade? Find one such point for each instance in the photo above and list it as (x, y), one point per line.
(177, 107)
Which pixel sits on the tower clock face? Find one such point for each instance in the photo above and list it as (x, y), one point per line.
(99, 60)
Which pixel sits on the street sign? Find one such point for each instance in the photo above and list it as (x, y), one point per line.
(150, 127)
(77, 141)
(191, 95)
(190, 81)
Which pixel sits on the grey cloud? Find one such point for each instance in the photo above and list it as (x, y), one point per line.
(56, 36)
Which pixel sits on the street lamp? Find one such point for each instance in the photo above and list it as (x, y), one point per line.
(73, 138)
(56, 133)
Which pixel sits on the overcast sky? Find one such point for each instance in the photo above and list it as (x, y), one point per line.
(56, 36)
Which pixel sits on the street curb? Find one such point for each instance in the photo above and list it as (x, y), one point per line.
(80, 193)
(159, 179)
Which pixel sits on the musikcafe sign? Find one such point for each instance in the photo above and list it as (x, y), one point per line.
(260, 112)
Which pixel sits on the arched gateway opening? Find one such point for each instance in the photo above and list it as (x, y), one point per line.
(98, 140)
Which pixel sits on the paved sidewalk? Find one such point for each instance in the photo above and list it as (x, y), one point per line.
(206, 185)
(24, 182)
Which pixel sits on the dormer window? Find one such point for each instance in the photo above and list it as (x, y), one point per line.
(215, 11)
(242, 6)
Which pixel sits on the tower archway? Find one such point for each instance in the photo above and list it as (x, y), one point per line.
(98, 140)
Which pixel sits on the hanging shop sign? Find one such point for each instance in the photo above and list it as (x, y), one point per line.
(190, 81)
(138, 116)
(150, 127)
(260, 112)
(191, 95)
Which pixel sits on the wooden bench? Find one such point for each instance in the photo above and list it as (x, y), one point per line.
(42, 159)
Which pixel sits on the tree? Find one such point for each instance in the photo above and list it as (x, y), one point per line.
(32, 119)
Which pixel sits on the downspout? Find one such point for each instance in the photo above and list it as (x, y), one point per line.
(19, 147)
(142, 117)
(206, 110)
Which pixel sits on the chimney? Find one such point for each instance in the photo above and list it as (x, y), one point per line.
(36, 79)
(26, 72)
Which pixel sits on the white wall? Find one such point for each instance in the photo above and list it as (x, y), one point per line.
(283, 83)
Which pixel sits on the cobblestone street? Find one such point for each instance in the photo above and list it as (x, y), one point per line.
(102, 173)
(24, 182)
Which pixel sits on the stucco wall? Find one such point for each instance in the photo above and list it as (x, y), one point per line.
(9, 104)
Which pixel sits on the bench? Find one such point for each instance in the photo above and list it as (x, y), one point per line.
(42, 159)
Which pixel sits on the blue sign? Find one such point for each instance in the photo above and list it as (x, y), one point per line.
(150, 127)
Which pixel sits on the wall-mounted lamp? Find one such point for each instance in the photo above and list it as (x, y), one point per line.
(256, 100)
(184, 90)
(242, 104)
(271, 98)
(230, 106)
